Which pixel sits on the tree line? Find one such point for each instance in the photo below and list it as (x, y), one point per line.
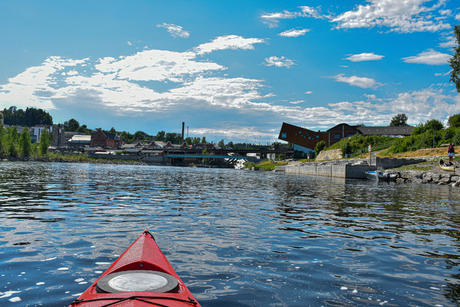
(19, 145)
(30, 117)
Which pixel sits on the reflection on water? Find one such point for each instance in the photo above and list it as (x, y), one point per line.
(236, 238)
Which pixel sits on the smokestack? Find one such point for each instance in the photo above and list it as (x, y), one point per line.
(183, 132)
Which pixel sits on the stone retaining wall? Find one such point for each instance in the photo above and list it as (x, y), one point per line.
(423, 177)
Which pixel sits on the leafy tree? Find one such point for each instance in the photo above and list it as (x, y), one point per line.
(3, 142)
(196, 140)
(30, 117)
(455, 61)
(433, 124)
(399, 120)
(230, 144)
(45, 140)
(454, 120)
(12, 141)
(320, 146)
(456, 138)
(346, 149)
(84, 129)
(141, 135)
(71, 125)
(25, 144)
(203, 140)
(160, 136)
(221, 143)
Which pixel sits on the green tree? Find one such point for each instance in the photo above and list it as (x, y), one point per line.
(3, 142)
(25, 144)
(433, 124)
(12, 142)
(221, 143)
(203, 140)
(160, 136)
(320, 146)
(455, 60)
(71, 125)
(84, 129)
(454, 121)
(45, 140)
(399, 120)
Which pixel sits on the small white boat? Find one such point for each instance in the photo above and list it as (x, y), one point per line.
(374, 175)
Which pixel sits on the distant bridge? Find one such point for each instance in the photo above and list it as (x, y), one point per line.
(201, 156)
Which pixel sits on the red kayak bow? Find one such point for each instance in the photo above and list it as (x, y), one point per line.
(141, 276)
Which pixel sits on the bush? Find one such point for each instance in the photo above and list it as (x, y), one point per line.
(454, 121)
(456, 138)
(320, 146)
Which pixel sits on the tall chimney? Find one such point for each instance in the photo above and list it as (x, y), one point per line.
(183, 132)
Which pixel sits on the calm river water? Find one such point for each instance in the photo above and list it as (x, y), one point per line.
(236, 238)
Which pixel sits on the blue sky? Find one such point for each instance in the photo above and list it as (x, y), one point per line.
(229, 69)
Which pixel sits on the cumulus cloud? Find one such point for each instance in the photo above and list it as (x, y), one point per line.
(228, 42)
(174, 30)
(362, 82)
(429, 57)
(361, 57)
(296, 102)
(457, 17)
(278, 61)
(272, 19)
(34, 86)
(308, 92)
(156, 65)
(294, 32)
(399, 16)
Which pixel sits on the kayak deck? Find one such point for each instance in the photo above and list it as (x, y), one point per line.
(143, 255)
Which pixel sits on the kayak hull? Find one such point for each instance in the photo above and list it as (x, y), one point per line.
(145, 255)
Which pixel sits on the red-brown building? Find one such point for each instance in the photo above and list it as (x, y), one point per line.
(305, 140)
(105, 139)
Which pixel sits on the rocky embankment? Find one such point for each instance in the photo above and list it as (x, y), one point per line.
(415, 176)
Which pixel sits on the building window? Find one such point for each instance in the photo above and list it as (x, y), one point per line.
(283, 135)
(337, 136)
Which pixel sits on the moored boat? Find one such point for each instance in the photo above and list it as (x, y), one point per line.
(141, 276)
(374, 175)
(450, 167)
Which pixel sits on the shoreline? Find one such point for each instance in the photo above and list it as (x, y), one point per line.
(425, 171)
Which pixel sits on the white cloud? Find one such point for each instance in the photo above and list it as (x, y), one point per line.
(228, 42)
(174, 30)
(294, 32)
(308, 92)
(450, 42)
(129, 43)
(457, 17)
(371, 96)
(242, 133)
(429, 57)
(34, 86)
(296, 102)
(156, 65)
(272, 19)
(362, 82)
(364, 57)
(400, 16)
(278, 61)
